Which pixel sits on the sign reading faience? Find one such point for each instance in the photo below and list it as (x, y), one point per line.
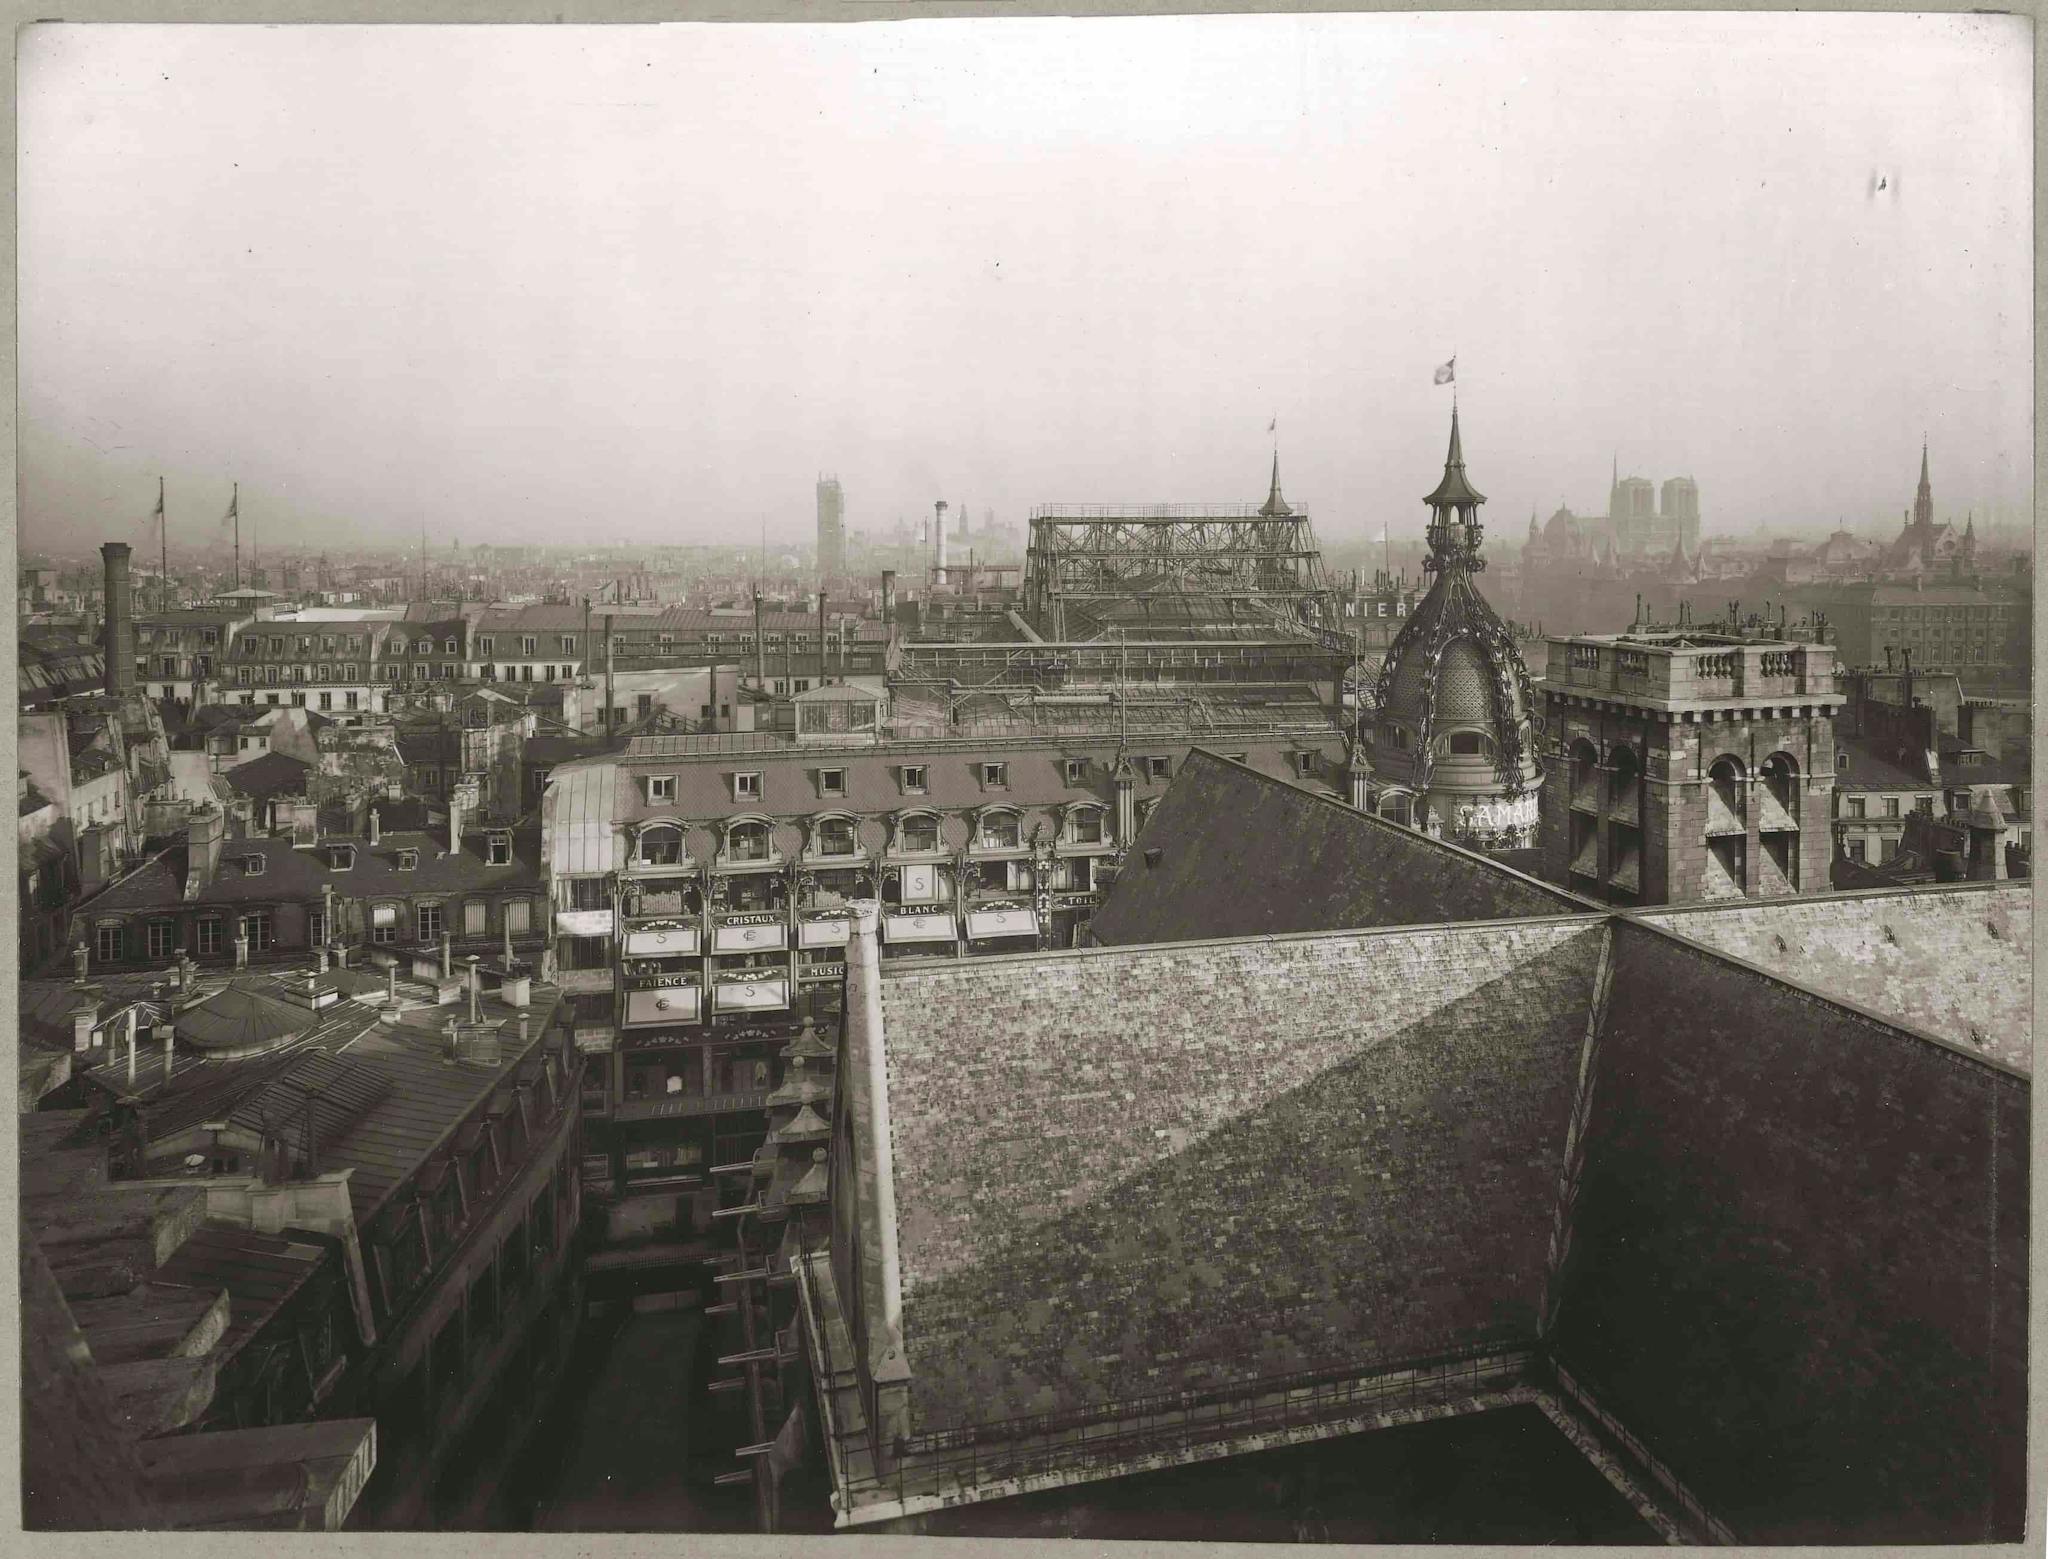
(678, 1004)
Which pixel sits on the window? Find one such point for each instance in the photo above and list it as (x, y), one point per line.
(430, 922)
(408, 860)
(342, 857)
(661, 844)
(747, 842)
(914, 778)
(163, 937)
(1085, 826)
(1924, 805)
(106, 943)
(832, 782)
(316, 927)
(589, 893)
(919, 834)
(994, 776)
(473, 918)
(500, 847)
(746, 787)
(999, 831)
(1158, 768)
(252, 866)
(256, 926)
(448, 647)
(1464, 744)
(1891, 806)
(484, 644)
(568, 643)
(209, 937)
(518, 915)
(528, 644)
(661, 787)
(836, 836)
(1854, 806)
(384, 924)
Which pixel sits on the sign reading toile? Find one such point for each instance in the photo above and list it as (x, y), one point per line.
(1002, 922)
(759, 991)
(824, 931)
(750, 934)
(583, 922)
(671, 941)
(930, 927)
(676, 1004)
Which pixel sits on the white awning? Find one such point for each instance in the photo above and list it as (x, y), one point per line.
(1002, 922)
(749, 939)
(578, 819)
(751, 995)
(673, 1004)
(674, 942)
(583, 922)
(936, 927)
(823, 933)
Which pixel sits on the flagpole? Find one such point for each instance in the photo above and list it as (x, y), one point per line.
(163, 532)
(235, 504)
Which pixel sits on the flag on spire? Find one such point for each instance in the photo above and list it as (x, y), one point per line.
(1273, 426)
(158, 512)
(1447, 373)
(234, 508)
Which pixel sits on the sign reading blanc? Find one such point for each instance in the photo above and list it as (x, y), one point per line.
(918, 928)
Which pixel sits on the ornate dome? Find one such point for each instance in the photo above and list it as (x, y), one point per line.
(1454, 669)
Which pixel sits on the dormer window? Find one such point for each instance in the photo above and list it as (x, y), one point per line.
(408, 860)
(252, 866)
(661, 844)
(499, 846)
(1075, 769)
(918, 835)
(746, 786)
(995, 776)
(914, 779)
(999, 831)
(661, 787)
(342, 857)
(835, 836)
(831, 782)
(1159, 768)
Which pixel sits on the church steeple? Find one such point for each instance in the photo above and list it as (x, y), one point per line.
(1454, 491)
(1275, 507)
(1923, 500)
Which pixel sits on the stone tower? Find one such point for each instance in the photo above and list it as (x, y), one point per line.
(1454, 752)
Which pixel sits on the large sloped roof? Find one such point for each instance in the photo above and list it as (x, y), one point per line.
(1227, 1190)
(1955, 961)
(1241, 853)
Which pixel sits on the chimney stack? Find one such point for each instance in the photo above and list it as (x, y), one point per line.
(79, 957)
(83, 1018)
(118, 637)
(476, 989)
(241, 943)
(204, 834)
(888, 597)
(374, 835)
(939, 510)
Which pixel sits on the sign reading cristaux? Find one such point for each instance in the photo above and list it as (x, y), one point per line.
(762, 934)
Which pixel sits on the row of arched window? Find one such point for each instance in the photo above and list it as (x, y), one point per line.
(661, 843)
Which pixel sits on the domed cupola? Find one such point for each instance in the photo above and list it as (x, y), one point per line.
(1454, 748)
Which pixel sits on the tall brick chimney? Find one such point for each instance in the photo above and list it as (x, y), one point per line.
(118, 637)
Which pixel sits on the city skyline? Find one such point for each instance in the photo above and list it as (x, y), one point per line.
(886, 288)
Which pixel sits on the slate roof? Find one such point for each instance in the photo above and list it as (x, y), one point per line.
(1955, 961)
(241, 1018)
(272, 774)
(299, 874)
(1242, 853)
(1871, 769)
(1230, 1191)
(259, 1271)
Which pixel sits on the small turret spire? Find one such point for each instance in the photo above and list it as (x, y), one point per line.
(1275, 506)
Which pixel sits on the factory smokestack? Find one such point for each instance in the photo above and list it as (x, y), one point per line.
(119, 634)
(940, 521)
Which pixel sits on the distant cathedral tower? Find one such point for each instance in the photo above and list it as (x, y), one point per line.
(1923, 499)
(1454, 751)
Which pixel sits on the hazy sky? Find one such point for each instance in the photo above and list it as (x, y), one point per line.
(644, 284)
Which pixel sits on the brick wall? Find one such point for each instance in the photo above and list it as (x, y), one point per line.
(1799, 1257)
(1129, 1172)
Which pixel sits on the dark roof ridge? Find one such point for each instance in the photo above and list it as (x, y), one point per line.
(1719, 906)
(1551, 888)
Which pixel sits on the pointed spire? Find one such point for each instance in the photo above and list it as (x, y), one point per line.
(1275, 507)
(1454, 491)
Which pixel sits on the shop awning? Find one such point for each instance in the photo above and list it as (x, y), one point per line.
(672, 942)
(1002, 922)
(936, 927)
(671, 1004)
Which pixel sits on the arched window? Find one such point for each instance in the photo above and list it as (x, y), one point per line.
(1780, 772)
(836, 836)
(1086, 825)
(1725, 781)
(918, 834)
(661, 844)
(1468, 744)
(999, 831)
(747, 841)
